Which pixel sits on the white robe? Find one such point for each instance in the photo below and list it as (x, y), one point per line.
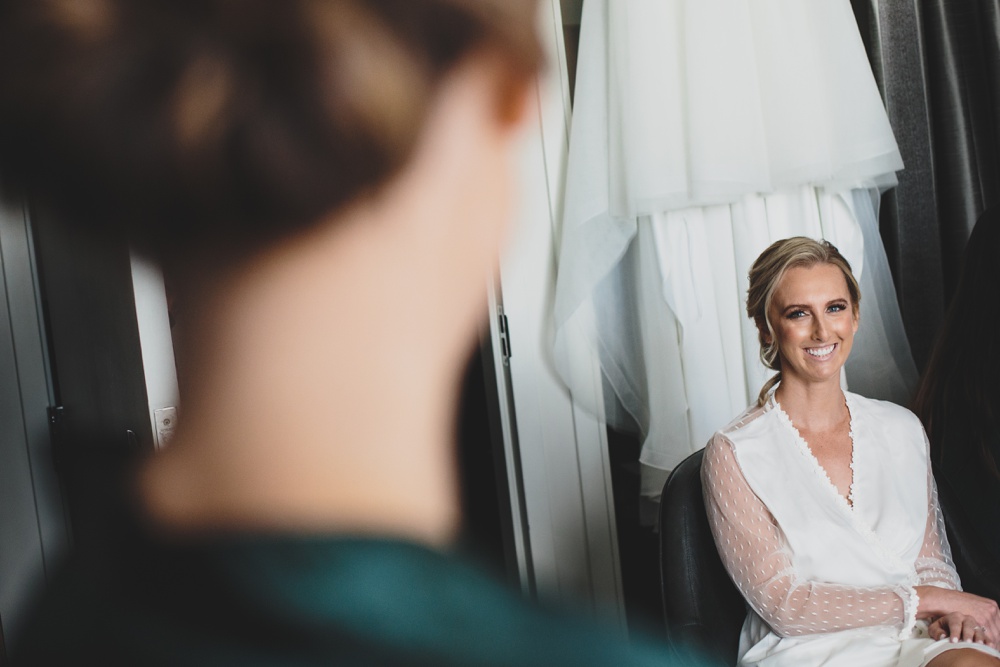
(829, 582)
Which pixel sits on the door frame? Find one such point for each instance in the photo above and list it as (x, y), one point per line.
(569, 544)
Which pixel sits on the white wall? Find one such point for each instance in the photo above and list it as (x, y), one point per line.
(157, 347)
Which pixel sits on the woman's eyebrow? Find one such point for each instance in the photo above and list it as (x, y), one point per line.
(803, 306)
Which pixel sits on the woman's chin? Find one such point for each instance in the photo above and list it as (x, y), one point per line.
(814, 372)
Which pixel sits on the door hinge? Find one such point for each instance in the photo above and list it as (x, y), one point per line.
(505, 352)
(55, 413)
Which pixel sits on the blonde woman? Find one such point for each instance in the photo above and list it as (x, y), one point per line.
(822, 502)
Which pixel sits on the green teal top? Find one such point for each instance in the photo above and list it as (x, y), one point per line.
(294, 600)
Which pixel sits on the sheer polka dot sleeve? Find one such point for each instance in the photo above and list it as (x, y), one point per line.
(755, 553)
(934, 564)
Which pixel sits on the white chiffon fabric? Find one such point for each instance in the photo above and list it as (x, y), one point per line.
(711, 99)
(828, 581)
(704, 130)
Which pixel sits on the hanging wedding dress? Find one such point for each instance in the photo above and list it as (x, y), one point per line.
(702, 131)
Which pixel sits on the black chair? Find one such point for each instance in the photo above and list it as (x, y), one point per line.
(976, 567)
(702, 607)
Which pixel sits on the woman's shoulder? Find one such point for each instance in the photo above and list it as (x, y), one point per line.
(886, 413)
(750, 436)
(749, 421)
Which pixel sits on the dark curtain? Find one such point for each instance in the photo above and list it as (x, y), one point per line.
(937, 63)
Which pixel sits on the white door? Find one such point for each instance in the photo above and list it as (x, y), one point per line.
(570, 542)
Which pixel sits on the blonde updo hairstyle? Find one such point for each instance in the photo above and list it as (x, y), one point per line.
(765, 275)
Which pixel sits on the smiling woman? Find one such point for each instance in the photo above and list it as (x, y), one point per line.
(822, 503)
(813, 314)
(772, 299)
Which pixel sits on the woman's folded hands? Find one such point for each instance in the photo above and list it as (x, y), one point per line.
(959, 615)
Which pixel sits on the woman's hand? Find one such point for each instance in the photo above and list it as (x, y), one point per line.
(958, 628)
(937, 602)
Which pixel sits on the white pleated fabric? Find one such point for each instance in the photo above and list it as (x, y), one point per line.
(704, 130)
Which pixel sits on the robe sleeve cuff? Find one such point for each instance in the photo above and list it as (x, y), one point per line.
(908, 594)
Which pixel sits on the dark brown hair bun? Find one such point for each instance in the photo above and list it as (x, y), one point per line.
(226, 122)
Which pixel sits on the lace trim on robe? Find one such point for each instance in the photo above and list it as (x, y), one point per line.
(859, 525)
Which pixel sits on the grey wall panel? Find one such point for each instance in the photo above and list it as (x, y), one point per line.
(27, 329)
(22, 426)
(21, 558)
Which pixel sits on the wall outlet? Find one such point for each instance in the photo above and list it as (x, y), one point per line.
(166, 422)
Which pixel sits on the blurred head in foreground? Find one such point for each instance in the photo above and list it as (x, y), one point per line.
(326, 184)
(217, 126)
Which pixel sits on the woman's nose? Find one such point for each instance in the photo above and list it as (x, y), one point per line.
(819, 328)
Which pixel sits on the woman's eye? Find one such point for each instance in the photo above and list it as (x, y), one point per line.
(795, 314)
(837, 307)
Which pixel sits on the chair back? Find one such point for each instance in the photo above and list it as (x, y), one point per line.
(702, 607)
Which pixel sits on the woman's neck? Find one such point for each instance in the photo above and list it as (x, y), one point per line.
(812, 406)
(318, 395)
